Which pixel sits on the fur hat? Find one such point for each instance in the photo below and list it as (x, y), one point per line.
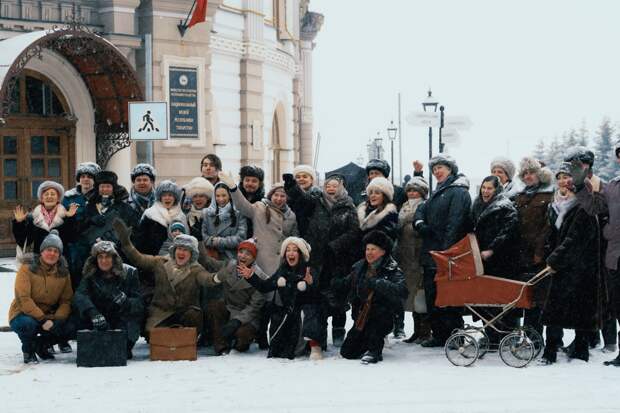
(307, 169)
(579, 153)
(52, 240)
(106, 177)
(418, 184)
(565, 168)
(275, 187)
(529, 164)
(199, 186)
(380, 239)
(443, 159)
(87, 168)
(250, 245)
(506, 164)
(383, 185)
(379, 165)
(170, 187)
(51, 185)
(143, 169)
(252, 170)
(335, 177)
(185, 241)
(103, 247)
(301, 243)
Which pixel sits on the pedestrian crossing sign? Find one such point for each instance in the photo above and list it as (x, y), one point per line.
(148, 121)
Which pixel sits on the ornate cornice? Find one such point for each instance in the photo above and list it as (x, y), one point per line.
(255, 51)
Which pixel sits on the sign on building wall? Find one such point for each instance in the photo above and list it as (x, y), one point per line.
(148, 121)
(183, 93)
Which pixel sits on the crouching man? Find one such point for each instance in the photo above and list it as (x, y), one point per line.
(109, 296)
(234, 320)
(376, 289)
(178, 278)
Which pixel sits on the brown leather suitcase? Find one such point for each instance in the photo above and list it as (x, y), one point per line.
(171, 344)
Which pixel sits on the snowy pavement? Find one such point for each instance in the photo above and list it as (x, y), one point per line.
(410, 379)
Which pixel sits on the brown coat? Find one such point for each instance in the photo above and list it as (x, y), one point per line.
(169, 299)
(408, 251)
(42, 292)
(533, 224)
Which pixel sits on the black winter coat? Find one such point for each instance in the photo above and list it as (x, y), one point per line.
(149, 236)
(496, 229)
(388, 284)
(29, 232)
(302, 204)
(443, 219)
(574, 294)
(385, 220)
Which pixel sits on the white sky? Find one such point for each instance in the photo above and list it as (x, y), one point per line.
(521, 70)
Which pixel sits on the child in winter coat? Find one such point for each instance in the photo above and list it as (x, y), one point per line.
(223, 228)
(294, 286)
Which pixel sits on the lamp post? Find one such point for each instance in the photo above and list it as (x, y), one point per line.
(391, 130)
(430, 105)
(379, 146)
(441, 144)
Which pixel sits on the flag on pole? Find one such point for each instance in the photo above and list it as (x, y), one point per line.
(200, 13)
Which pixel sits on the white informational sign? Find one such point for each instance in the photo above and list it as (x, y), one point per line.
(462, 123)
(148, 121)
(427, 119)
(450, 135)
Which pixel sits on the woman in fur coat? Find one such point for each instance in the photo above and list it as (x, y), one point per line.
(378, 212)
(200, 191)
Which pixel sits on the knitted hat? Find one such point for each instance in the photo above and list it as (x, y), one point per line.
(103, 247)
(250, 245)
(381, 184)
(275, 187)
(167, 186)
(565, 168)
(379, 165)
(252, 170)
(301, 243)
(52, 240)
(185, 241)
(380, 239)
(307, 169)
(579, 153)
(86, 168)
(177, 225)
(506, 164)
(199, 186)
(106, 177)
(51, 185)
(443, 159)
(418, 184)
(143, 169)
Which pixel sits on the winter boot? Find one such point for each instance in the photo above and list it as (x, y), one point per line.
(594, 339)
(432, 342)
(399, 325)
(42, 348)
(315, 351)
(549, 357)
(615, 362)
(580, 351)
(609, 348)
(64, 347)
(338, 336)
(30, 358)
(371, 357)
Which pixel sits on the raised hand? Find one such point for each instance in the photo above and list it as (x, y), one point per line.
(418, 166)
(72, 209)
(227, 179)
(20, 213)
(245, 272)
(308, 277)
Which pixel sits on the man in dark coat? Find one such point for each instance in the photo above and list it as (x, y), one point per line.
(376, 289)
(442, 221)
(142, 194)
(109, 294)
(596, 198)
(252, 186)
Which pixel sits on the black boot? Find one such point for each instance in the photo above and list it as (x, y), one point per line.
(433, 342)
(580, 351)
(549, 357)
(64, 347)
(615, 362)
(371, 357)
(338, 336)
(30, 358)
(42, 348)
(399, 325)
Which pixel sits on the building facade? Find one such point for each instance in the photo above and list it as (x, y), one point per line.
(238, 85)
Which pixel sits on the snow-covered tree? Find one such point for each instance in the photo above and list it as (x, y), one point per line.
(603, 144)
(570, 138)
(539, 151)
(555, 154)
(583, 136)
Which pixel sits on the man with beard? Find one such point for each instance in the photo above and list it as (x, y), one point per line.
(252, 187)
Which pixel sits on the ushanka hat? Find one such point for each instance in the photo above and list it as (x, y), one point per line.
(87, 168)
(506, 164)
(380, 239)
(188, 242)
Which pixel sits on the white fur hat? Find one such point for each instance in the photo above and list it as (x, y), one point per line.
(506, 164)
(301, 243)
(383, 185)
(199, 186)
(305, 169)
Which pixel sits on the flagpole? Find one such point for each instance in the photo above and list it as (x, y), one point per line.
(183, 24)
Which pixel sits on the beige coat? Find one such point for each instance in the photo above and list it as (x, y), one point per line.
(269, 235)
(408, 250)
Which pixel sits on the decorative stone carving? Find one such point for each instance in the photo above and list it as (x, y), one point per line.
(311, 23)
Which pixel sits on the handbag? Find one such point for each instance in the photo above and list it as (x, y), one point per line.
(419, 302)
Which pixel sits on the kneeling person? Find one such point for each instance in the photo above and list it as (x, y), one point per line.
(108, 296)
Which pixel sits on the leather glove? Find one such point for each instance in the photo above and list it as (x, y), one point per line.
(229, 329)
(99, 322)
(122, 232)
(289, 180)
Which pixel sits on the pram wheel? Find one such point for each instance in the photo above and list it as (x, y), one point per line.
(462, 349)
(517, 350)
(536, 338)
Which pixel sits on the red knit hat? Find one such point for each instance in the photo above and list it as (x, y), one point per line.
(250, 245)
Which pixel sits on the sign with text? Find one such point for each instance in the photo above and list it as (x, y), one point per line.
(428, 119)
(183, 96)
(148, 121)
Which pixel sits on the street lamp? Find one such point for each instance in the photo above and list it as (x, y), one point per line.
(391, 130)
(379, 145)
(430, 105)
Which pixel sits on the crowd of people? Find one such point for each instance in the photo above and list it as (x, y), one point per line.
(242, 263)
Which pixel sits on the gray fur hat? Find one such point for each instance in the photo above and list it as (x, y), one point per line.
(379, 165)
(52, 241)
(418, 184)
(443, 159)
(87, 168)
(143, 169)
(103, 247)
(301, 244)
(506, 164)
(185, 241)
(529, 164)
(51, 185)
(169, 187)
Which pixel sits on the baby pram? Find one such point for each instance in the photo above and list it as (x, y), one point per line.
(461, 282)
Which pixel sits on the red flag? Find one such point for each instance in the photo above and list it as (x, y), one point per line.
(200, 13)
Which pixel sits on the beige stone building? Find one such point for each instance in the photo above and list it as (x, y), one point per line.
(238, 85)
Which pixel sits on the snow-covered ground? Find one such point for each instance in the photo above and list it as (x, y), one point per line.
(410, 379)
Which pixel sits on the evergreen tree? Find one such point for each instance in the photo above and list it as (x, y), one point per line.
(603, 144)
(554, 155)
(539, 151)
(583, 135)
(570, 139)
